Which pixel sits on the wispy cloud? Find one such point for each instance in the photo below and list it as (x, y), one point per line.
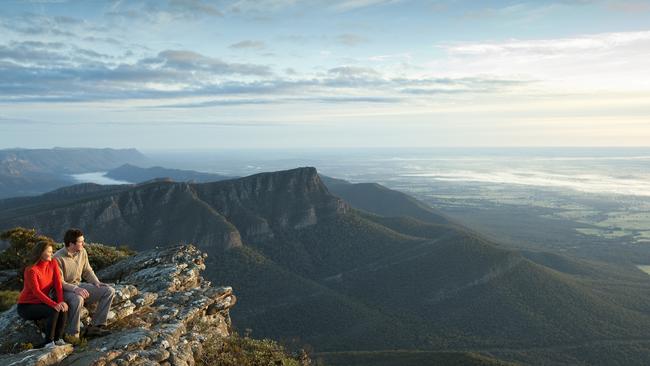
(613, 61)
(282, 100)
(158, 12)
(350, 39)
(348, 5)
(353, 72)
(193, 61)
(53, 72)
(248, 44)
(631, 7)
(552, 47)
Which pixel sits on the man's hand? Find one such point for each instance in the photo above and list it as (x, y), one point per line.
(62, 306)
(80, 291)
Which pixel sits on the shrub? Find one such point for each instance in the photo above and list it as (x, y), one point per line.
(244, 351)
(22, 241)
(101, 256)
(8, 299)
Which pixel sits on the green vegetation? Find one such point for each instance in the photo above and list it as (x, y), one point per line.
(361, 281)
(377, 199)
(80, 343)
(405, 358)
(244, 351)
(358, 281)
(22, 241)
(101, 256)
(8, 299)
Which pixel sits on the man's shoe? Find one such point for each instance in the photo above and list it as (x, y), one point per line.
(97, 331)
(61, 342)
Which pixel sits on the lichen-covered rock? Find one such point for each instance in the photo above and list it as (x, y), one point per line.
(17, 332)
(37, 357)
(160, 299)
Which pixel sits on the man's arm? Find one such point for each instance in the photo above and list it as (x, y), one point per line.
(87, 273)
(66, 286)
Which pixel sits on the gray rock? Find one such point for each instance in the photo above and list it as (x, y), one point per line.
(160, 296)
(37, 357)
(17, 332)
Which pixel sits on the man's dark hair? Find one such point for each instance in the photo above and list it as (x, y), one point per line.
(71, 236)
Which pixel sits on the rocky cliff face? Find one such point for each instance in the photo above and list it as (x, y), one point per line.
(162, 312)
(261, 203)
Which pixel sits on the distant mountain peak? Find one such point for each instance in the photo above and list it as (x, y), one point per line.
(306, 178)
(79, 189)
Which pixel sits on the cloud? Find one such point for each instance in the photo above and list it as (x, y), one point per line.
(218, 103)
(107, 40)
(551, 47)
(353, 72)
(68, 20)
(611, 61)
(631, 7)
(193, 7)
(39, 25)
(349, 5)
(350, 39)
(248, 44)
(281, 100)
(189, 60)
(51, 71)
(160, 12)
(434, 86)
(35, 71)
(261, 6)
(357, 99)
(31, 52)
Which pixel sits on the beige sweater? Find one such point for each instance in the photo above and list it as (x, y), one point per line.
(74, 267)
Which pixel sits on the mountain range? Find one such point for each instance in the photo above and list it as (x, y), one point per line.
(26, 172)
(135, 174)
(358, 267)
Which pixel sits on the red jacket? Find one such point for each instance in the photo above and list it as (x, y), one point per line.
(39, 280)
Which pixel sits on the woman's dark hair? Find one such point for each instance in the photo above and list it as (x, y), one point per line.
(36, 253)
(71, 236)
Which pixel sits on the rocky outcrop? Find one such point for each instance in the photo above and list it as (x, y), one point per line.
(162, 312)
(262, 203)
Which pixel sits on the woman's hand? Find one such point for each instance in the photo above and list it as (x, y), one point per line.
(62, 306)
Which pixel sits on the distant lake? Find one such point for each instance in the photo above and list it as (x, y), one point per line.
(97, 178)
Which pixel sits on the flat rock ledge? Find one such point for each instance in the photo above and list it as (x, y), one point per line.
(162, 312)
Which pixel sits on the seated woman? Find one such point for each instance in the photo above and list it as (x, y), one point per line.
(41, 275)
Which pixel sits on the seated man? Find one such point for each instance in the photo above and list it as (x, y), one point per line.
(73, 261)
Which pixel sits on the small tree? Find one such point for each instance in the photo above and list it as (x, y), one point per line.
(21, 242)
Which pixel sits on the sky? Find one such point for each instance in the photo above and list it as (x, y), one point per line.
(193, 74)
